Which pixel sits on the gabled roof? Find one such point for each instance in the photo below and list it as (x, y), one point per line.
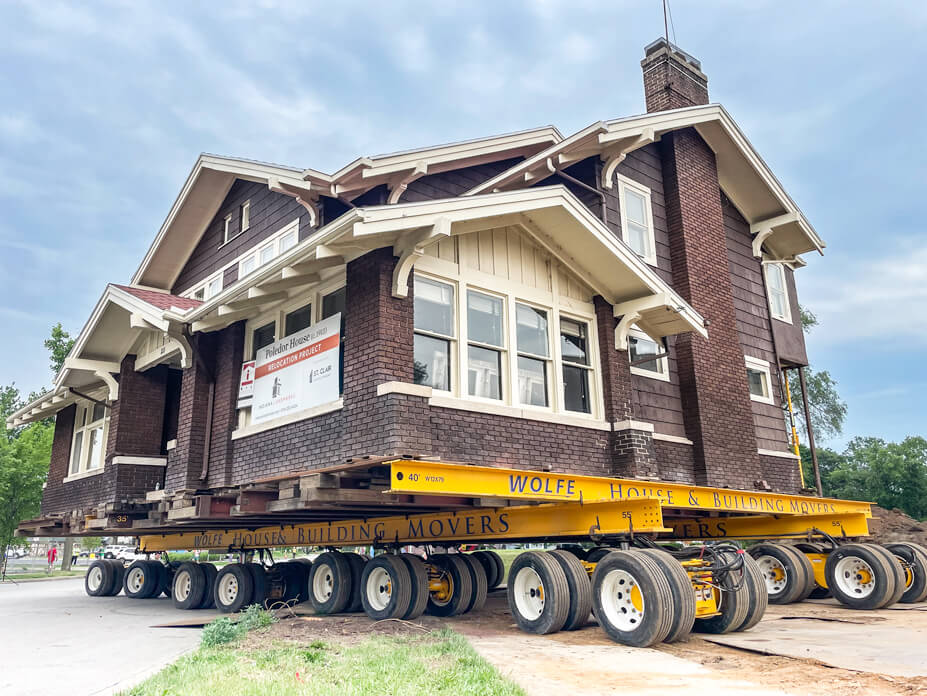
(213, 175)
(742, 173)
(159, 299)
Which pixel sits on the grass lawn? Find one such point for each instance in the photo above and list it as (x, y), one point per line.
(441, 662)
(42, 574)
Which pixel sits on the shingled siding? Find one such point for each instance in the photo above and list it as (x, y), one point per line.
(453, 183)
(753, 329)
(269, 213)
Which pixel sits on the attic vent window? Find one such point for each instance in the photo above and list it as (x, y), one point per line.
(245, 216)
(227, 230)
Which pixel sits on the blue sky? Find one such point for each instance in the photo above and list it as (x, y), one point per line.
(105, 106)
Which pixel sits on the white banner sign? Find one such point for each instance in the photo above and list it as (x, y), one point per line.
(297, 372)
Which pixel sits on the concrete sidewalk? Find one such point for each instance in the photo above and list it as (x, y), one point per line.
(56, 640)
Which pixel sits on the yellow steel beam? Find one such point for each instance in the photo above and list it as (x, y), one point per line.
(768, 526)
(436, 478)
(548, 521)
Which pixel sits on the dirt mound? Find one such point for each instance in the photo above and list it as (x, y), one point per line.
(896, 525)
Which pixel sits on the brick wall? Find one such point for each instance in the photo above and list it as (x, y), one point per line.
(670, 81)
(185, 462)
(675, 460)
(713, 383)
(136, 423)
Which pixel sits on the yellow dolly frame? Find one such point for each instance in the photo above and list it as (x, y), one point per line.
(640, 593)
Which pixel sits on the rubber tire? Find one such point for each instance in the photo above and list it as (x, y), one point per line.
(259, 576)
(883, 573)
(107, 578)
(794, 572)
(210, 572)
(735, 603)
(598, 553)
(898, 571)
(580, 588)
(808, 569)
(758, 599)
(916, 557)
(461, 585)
(478, 583)
(575, 549)
(357, 564)
(418, 575)
(489, 565)
(198, 586)
(151, 580)
(335, 563)
(655, 592)
(556, 590)
(119, 573)
(682, 591)
(401, 595)
(245, 588)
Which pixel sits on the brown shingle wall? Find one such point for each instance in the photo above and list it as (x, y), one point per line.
(269, 213)
(716, 403)
(453, 183)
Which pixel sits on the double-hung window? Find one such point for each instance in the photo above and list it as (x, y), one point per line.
(434, 333)
(262, 337)
(640, 347)
(759, 380)
(485, 345)
(637, 219)
(87, 446)
(778, 292)
(533, 341)
(574, 350)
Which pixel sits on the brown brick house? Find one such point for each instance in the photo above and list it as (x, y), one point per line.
(617, 302)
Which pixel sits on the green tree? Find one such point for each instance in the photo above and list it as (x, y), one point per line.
(91, 543)
(59, 344)
(891, 474)
(828, 410)
(828, 461)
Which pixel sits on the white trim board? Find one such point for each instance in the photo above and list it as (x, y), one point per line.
(777, 453)
(250, 430)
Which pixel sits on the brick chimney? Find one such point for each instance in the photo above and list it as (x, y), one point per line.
(672, 78)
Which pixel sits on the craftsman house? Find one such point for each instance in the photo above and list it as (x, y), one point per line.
(616, 302)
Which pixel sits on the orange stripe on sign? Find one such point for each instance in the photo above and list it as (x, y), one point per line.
(293, 358)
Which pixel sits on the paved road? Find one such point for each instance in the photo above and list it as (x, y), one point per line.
(54, 639)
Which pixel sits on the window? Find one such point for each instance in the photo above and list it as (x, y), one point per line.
(298, 320)
(637, 219)
(778, 292)
(214, 287)
(88, 445)
(332, 304)
(245, 216)
(576, 368)
(227, 228)
(434, 333)
(759, 380)
(261, 337)
(533, 342)
(247, 266)
(200, 293)
(641, 346)
(268, 253)
(484, 345)
(288, 241)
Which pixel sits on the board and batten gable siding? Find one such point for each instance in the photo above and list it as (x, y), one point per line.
(752, 317)
(269, 213)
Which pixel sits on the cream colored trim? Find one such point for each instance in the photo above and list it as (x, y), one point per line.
(140, 461)
(250, 430)
(516, 412)
(83, 475)
(640, 371)
(673, 438)
(626, 183)
(760, 365)
(633, 425)
(404, 388)
(171, 444)
(777, 453)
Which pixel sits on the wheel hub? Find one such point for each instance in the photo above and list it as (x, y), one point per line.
(622, 600)
(774, 573)
(529, 593)
(854, 576)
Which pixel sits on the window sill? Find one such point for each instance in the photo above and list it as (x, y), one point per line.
(762, 400)
(784, 320)
(777, 453)
(140, 461)
(250, 430)
(673, 438)
(517, 412)
(82, 475)
(650, 375)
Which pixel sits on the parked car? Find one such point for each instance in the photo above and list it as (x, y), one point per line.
(127, 553)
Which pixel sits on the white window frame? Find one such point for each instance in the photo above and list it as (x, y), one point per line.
(245, 216)
(275, 240)
(762, 366)
(457, 369)
(780, 269)
(226, 237)
(555, 306)
(204, 286)
(624, 183)
(84, 465)
(663, 376)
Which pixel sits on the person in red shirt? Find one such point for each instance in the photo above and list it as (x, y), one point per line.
(52, 556)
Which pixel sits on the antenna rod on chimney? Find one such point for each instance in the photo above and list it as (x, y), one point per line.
(665, 25)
